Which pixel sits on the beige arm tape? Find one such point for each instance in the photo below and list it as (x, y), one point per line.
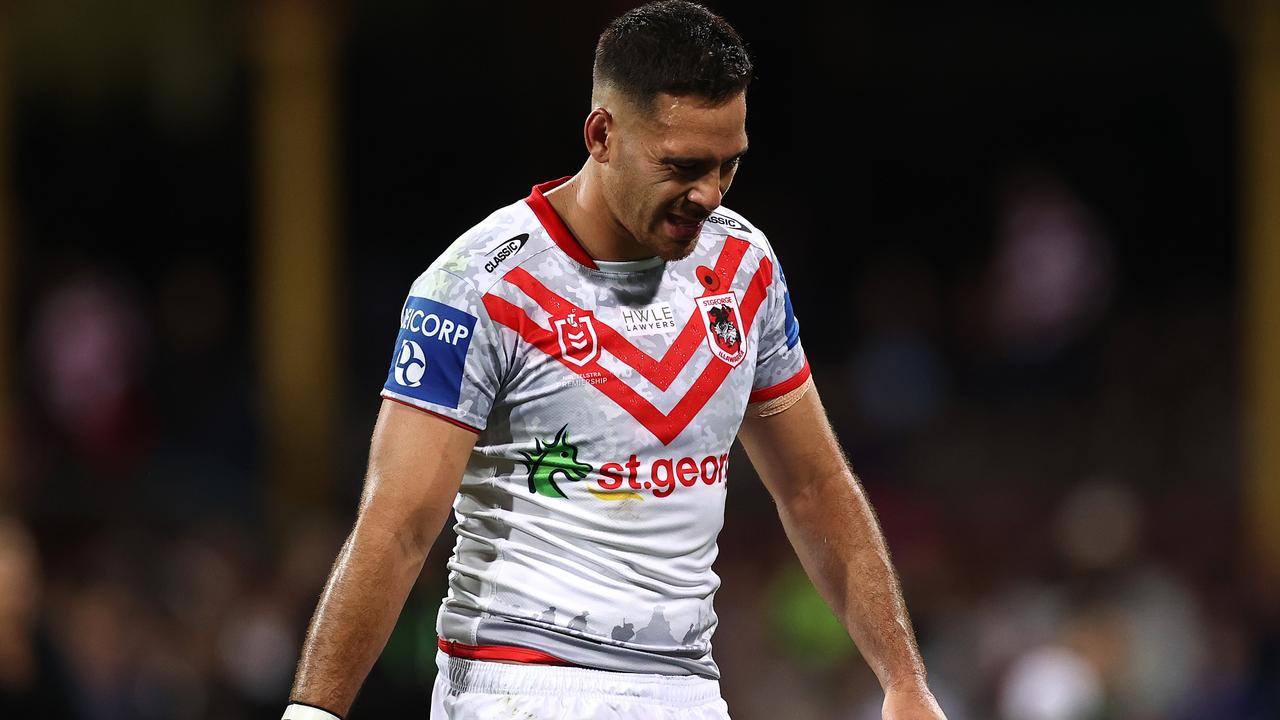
(780, 403)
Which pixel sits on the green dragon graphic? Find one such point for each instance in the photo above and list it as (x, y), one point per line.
(557, 456)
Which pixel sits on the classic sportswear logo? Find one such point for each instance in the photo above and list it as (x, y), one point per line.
(430, 352)
(725, 221)
(499, 254)
(558, 457)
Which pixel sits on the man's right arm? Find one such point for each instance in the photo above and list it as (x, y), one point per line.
(416, 461)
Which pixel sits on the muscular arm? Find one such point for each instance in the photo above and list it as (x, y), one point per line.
(415, 467)
(834, 531)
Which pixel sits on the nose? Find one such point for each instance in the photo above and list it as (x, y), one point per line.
(707, 193)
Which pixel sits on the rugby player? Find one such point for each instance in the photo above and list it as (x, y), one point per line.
(569, 377)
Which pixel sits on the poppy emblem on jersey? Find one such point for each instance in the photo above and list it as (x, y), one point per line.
(577, 336)
(724, 326)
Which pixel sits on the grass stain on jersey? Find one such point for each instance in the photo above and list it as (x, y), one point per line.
(557, 456)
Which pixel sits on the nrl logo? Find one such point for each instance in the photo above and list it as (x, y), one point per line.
(724, 327)
(547, 460)
(577, 337)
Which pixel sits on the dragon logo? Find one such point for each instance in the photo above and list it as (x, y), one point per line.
(724, 325)
(558, 456)
(723, 328)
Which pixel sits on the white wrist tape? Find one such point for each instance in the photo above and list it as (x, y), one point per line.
(306, 712)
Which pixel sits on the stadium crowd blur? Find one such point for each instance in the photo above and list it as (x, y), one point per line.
(1011, 237)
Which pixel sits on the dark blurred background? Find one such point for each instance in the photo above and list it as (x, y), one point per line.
(1034, 248)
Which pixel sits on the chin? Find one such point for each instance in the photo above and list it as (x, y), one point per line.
(671, 250)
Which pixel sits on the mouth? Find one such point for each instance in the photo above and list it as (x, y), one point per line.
(684, 228)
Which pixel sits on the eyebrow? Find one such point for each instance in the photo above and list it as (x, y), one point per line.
(672, 160)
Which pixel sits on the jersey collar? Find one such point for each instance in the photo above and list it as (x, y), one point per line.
(554, 226)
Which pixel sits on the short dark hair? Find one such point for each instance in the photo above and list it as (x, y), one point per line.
(675, 47)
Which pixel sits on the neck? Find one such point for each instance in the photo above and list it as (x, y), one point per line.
(580, 202)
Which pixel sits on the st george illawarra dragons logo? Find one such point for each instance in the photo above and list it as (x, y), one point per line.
(724, 326)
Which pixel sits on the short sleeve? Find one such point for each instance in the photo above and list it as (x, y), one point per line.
(447, 358)
(780, 364)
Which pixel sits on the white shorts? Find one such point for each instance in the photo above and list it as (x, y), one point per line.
(480, 690)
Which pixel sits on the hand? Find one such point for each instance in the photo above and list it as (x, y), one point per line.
(911, 703)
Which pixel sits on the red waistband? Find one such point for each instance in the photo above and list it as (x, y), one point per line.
(498, 652)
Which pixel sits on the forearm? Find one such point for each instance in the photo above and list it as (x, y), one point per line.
(836, 535)
(416, 461)
(362, 599)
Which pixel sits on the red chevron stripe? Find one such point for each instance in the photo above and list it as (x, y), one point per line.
(664, 426)
(659, 372)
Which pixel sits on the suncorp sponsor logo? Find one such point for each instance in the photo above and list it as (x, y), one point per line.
(431, 325)
(431, 351)
(410, 364)
(499, 254)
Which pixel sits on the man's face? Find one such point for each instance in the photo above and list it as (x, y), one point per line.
(669, 168)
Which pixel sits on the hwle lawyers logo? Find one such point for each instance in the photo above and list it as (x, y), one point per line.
(656, 319)
(431, 352)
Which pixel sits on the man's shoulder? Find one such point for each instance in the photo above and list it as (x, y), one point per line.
(725, 221)
(503, 240)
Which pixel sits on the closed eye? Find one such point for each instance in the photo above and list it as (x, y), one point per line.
(696, 167)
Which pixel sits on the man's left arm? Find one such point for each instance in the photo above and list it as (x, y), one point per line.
(830, 523)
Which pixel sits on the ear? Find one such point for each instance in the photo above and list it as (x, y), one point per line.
(595, 133)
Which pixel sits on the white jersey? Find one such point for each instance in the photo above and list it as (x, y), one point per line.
(606, 397)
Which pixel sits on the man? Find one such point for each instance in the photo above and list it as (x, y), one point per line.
(570, 375)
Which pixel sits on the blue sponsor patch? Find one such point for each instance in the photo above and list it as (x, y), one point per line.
(790, 325)
(431, 352)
